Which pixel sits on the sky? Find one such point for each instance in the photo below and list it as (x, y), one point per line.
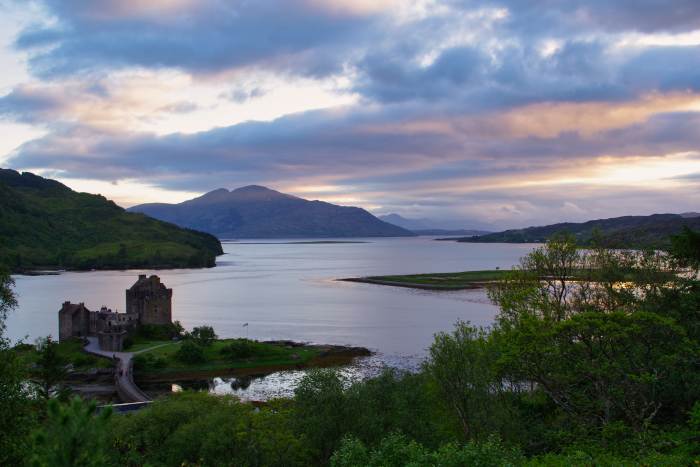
(492, 114)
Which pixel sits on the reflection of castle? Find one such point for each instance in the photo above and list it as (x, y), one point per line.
(147, 302)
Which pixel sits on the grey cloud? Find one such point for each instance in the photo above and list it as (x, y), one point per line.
(28, 105)
(209, 37)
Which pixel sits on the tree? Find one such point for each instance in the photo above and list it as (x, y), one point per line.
(50, 367)
(16, 417)
(8, 301)
(603, 367)
(685, 248)
(557, 281)
(73, 434)
(191, 428)
(190, 352)
(398, 450)
(462, 364)
(203, 335)
(321, 411)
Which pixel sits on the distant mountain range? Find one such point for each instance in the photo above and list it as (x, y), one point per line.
(259, 212)
(429, 226)
(45, 224)
(617, 232)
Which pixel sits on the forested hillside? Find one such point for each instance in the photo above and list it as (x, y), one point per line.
(44, 224)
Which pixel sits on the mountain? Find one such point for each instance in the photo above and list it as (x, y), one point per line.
(428, 226)
(258, 212)
(617, 232)
(45, 224)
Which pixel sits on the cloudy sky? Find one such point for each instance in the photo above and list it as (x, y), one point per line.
(498, 112)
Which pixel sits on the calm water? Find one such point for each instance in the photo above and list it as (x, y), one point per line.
(287, 291)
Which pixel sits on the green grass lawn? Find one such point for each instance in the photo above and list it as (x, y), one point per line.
(144, 344)
(72, 353)
(163, 359)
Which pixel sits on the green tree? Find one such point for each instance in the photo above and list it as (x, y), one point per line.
(16, 415)
(190, 352)
(462, 364)
(203, 335)
(685, 247)
(201, 429)
(50, 368)
(602, 367)
(397, 450)
(321, 411)
(73, 434)
(557, 281)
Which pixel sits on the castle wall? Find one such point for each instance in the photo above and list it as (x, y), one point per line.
(111, 341)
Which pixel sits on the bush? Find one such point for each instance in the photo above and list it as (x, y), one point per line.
(200, 429)
(398, 450)
(146, 361)
(190, 352)
(238, 348)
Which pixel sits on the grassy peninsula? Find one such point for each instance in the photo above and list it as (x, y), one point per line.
(436, 281)
(46, 225)
(201, 354)
(167, 352)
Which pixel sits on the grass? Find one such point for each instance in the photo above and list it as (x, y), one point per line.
(163, 359)
(447, 281)
(71, 351)
(141, 345)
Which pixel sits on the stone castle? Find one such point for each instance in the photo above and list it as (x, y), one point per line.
(148, 301)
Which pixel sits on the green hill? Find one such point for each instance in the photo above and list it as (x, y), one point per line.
(44, 224)
(617, 232)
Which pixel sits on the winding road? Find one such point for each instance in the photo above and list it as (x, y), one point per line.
(123, 375)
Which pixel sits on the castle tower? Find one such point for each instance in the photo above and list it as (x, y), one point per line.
(150, 300)
(73, 321)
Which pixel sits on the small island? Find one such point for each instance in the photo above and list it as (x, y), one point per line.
(144, 344)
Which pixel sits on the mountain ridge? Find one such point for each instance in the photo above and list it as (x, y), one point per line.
(255, 211)
(652, 231)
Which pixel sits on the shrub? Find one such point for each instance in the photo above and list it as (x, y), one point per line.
(190, 352)
(238, 348)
